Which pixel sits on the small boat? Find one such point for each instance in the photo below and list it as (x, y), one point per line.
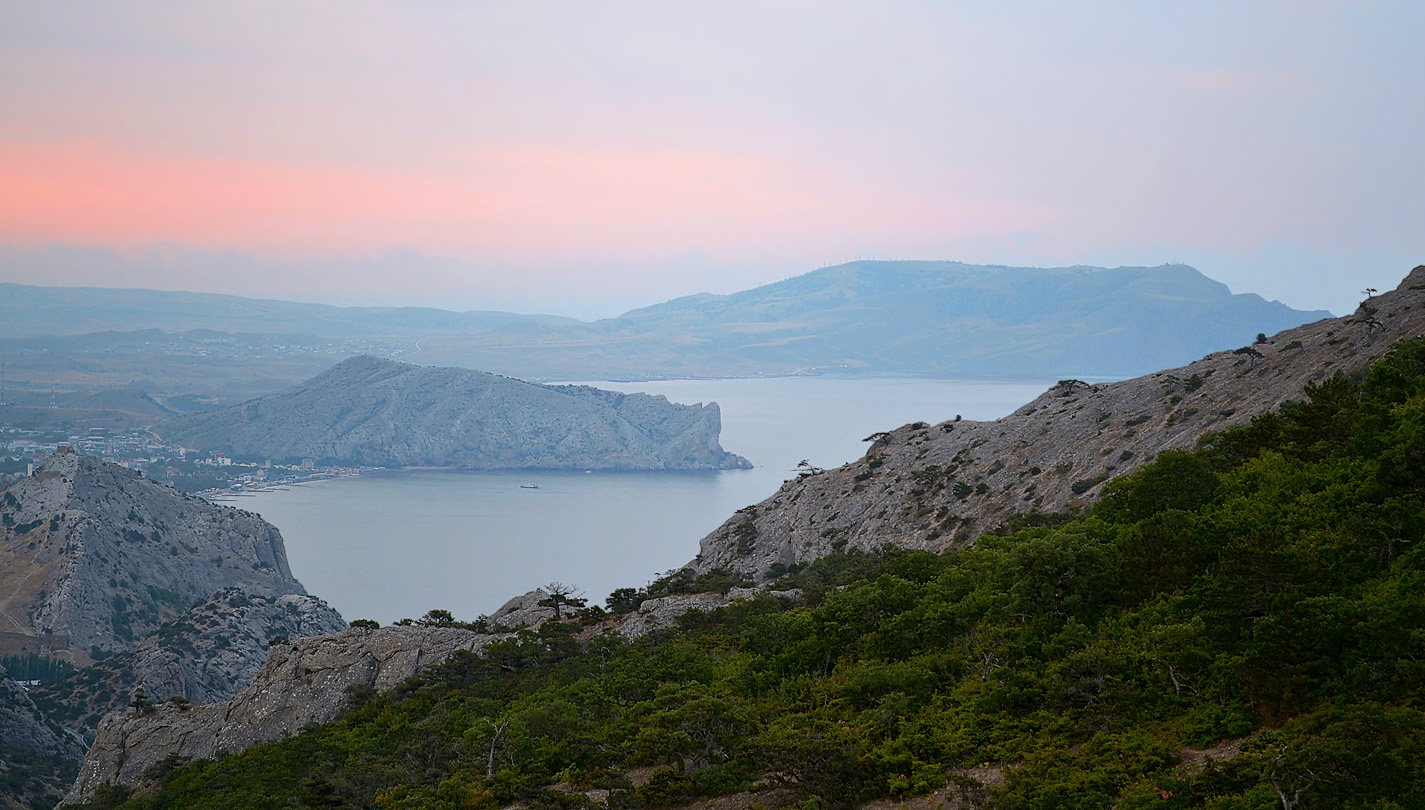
(529, 486)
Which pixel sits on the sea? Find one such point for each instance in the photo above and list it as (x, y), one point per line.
(394, 544)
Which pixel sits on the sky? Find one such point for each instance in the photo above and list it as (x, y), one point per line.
(584, 158)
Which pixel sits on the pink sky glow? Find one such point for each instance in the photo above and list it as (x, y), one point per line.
(585, 158)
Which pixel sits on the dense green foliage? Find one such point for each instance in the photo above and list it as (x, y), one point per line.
(32, 780)
(36, 667)
(1267, 589)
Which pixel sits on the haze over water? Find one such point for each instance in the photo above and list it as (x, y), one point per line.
(396, 544)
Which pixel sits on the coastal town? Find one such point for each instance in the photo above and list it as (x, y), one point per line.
(213, 475)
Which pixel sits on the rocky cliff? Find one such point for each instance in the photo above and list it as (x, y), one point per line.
(208, 653)
(104, 555)
(935, 486)
(378, 412)
(308, 681)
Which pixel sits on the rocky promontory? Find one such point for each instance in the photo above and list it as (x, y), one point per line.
(379, 412)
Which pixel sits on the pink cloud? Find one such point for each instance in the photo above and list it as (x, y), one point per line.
(530, 203)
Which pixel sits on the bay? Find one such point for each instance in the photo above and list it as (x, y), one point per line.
(396, 544)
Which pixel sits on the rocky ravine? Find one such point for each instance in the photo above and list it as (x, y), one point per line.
(100, 553)
(378, 412)
(935, 486)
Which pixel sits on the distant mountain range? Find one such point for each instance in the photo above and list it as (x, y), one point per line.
(372, 411)
(36, 311)
(189, 351)
(923, 318)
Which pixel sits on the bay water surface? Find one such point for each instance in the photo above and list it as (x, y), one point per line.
(396, 544)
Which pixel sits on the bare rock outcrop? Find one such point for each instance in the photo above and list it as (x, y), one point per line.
(936, 486)
(524, 610)
(105, 556)
(305, 682)
(657, 614)
(379, 412)
(207, 654)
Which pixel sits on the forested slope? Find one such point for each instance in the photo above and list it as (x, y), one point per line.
(1262, 596)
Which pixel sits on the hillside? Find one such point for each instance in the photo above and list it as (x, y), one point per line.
(105, 556)
(170, 594)
(38, 758)
(1234, 626)
(378, 412)
(938, 486)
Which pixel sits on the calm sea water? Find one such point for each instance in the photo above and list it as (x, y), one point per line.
(396, 544)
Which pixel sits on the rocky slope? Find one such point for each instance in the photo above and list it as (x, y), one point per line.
(206, 654)
(308, 681)
(97, 552)
(379, 412)
(935, 486)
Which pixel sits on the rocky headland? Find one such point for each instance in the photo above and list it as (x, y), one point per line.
(379, 412)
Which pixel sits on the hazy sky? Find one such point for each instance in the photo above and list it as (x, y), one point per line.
(586, 157)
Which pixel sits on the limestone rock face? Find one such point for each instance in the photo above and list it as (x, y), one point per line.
(657, 614)
(936, 486)
(523, 611)
(379, 412)
(301, 683)
(209, 653)
(104, 555)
